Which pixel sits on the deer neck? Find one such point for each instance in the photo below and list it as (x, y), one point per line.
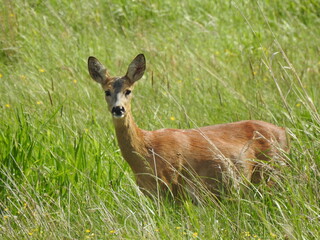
(131, 141)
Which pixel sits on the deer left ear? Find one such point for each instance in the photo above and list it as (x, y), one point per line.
(136, 68)
(97, 70)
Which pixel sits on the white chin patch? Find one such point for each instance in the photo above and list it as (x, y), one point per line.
(118, 116)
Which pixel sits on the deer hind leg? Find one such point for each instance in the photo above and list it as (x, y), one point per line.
(269, 158)
(257, 166)
(266, 166)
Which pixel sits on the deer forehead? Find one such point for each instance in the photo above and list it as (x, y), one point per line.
(117, 84)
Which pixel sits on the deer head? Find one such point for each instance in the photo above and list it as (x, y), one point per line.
(117, 89)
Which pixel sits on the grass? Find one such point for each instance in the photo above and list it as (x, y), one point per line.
(62, 175)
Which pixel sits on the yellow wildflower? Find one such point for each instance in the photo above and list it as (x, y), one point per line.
(41, 70)
(7, 105)
(1, 75)
(112, 231)
(298, 105)
(39, 102)
(247, 234)
(88, 230)
(273, 235)
(5, 217)
(75, 81)
(195, 234)
(178, 228)
(172, 118)
(229, 53)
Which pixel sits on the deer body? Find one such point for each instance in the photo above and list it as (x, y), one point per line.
(165, 158)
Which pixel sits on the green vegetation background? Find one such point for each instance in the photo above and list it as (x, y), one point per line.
(62, 175)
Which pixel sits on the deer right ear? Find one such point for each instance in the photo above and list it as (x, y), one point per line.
(97, 70)
(136, 68)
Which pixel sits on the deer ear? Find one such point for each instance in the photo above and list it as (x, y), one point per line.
(136, 68)
(97, 70)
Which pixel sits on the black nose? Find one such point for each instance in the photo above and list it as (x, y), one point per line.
(118, 111)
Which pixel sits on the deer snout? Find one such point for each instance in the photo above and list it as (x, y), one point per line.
(118, 111)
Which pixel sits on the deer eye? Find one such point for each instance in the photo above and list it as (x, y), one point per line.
(127, 92)
(108, 93)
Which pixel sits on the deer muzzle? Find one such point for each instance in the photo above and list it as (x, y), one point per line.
(118, 112)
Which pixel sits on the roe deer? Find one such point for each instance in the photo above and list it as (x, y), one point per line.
(163, 159)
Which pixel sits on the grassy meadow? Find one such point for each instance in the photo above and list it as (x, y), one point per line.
(208, 61)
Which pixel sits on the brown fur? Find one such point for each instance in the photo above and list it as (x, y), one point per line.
(162, 159)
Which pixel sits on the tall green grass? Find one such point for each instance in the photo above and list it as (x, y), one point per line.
(62, 175)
